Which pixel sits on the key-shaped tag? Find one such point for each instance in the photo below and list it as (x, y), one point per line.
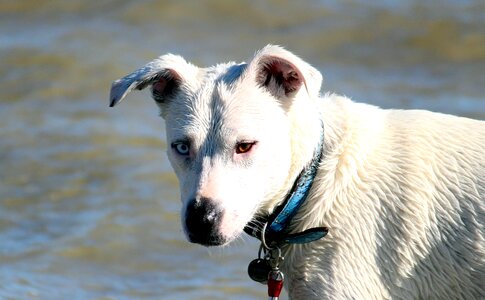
(275, 284)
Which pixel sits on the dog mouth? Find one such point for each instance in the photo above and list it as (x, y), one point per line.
(208, 240)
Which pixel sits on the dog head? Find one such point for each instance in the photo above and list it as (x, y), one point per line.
(238, 134)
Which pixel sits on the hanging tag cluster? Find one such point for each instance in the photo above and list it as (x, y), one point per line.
(266, 270)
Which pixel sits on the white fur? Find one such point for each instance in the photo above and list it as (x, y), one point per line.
(402, 192)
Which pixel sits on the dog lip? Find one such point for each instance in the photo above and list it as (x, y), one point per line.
(208, 242)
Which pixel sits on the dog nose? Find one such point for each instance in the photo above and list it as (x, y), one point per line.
(203, 219)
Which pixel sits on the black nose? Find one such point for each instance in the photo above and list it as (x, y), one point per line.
(203, 220)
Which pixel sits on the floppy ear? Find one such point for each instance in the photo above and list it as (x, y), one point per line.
(164, 75)
(283, 73)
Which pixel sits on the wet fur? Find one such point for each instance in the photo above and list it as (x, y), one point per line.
(401, 191)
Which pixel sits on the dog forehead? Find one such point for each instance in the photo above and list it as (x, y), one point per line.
(217, 94)
(205, 106)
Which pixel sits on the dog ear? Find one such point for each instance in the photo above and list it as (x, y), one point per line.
(164, 75)
(284, 73)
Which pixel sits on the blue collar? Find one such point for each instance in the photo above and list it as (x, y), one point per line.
(275, 231)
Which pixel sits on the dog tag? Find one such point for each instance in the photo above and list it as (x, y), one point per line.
(259, 269)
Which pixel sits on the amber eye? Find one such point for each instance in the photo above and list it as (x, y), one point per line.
(244, 147)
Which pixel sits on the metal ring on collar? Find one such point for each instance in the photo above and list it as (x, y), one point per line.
(263, 240)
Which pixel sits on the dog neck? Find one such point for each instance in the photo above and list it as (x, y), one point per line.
(276, 225)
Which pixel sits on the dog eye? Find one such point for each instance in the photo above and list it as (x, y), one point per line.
(244, 147)
(181, 148)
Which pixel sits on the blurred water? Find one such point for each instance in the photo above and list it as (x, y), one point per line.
(89, 206)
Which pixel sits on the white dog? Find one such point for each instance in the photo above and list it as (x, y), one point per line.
(401, 192)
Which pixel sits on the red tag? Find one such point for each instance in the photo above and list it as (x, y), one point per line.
(275, 283)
